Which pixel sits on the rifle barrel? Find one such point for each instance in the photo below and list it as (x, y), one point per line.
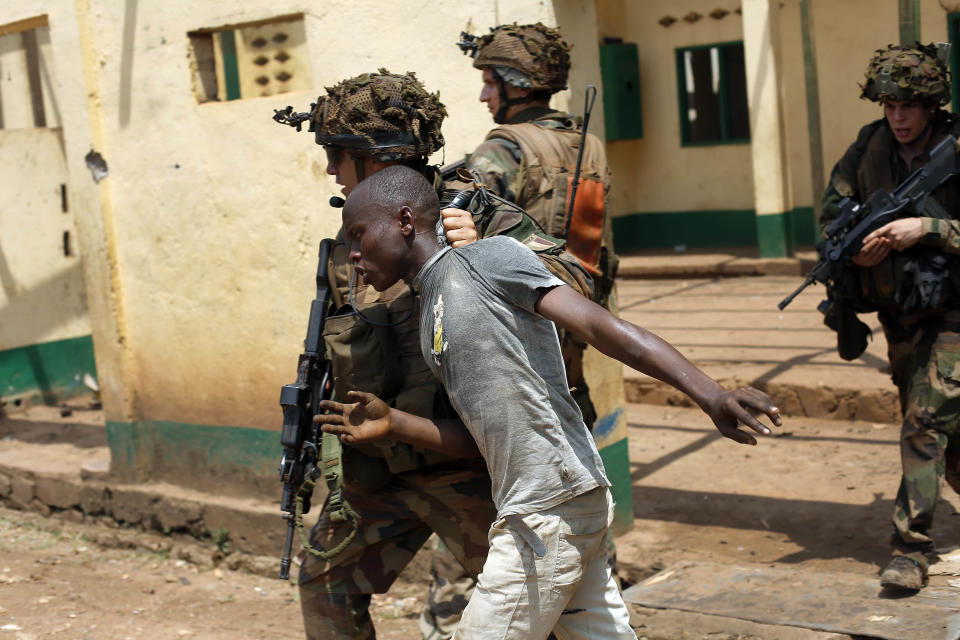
(806, 283)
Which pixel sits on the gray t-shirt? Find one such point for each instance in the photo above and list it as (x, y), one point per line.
(501, 364)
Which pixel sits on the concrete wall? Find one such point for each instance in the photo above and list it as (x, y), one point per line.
(657, 175)
(199, 247)
(44, 325)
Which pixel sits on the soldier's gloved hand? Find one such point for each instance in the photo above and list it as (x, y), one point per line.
(459, 227)
(365, 420)
(730, 409)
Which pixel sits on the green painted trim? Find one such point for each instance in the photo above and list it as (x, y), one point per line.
(803, 223)
(909, 22)
(774, 235)
(622, 101)
(157, 449)
(953, 37)
(231, 72)
(682, 97)
(45, 370)
(703, 229)
(163, 449)
(616, 460)
(661, 230)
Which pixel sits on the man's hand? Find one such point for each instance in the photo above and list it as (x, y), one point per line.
(902, 234)
(459, 227)
(729, 409)
(872, 252)
(365, 420)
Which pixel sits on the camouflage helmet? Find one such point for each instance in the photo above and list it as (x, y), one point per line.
(530, 56)
(908, 73)
(385, 116)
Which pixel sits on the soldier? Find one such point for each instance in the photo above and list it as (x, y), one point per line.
(921, 323)
(401, 494)
(531, 157)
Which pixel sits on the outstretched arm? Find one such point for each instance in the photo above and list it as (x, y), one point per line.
(369, 418)
(649, 354)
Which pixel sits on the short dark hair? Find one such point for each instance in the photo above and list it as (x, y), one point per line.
(398, 186)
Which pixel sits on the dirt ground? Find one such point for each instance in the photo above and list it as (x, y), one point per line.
(819, 497)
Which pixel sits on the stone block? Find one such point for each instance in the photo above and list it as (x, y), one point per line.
(5, 486)
(93, 498)
(173, 514)
(257, 532)
(43, 509)
(95, 470)
(131, 505)
(59, 492)
(21, 491)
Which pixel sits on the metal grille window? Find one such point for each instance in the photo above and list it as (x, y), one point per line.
(712, 83)
(250, 60)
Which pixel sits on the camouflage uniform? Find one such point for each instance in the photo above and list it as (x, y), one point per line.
(402, 494)
(531, 158)
(923, 344)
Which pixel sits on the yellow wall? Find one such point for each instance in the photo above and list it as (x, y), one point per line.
(200, 246)
(657, 174)
(42, 295)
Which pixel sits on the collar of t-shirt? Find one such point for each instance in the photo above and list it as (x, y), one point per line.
(426, 267)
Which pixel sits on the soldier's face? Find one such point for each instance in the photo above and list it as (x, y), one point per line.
(907, 119)
(343, 167)
(490, 94)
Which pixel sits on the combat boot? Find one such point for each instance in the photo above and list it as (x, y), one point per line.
(904, 573)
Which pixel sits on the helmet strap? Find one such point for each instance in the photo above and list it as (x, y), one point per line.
(500, 117)
(360, 167)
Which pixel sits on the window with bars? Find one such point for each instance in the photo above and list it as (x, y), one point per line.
(250, 60)
(712, 83)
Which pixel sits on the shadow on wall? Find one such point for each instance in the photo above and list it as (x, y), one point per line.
(29, 365)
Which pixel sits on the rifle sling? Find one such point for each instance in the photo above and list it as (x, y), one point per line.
(337, 508)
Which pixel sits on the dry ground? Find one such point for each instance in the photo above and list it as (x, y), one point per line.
(817, 497)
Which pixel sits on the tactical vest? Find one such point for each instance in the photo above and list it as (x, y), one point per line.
(884, 285)
(549, 148)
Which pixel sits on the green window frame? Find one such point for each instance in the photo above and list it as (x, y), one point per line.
(953, 37)
(720, 114)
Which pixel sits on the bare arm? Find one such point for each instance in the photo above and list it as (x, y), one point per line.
(369, 418)
(649, 354)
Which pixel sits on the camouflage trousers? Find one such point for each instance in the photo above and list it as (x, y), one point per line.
(925, 362)
(450, 589)
(395, 521)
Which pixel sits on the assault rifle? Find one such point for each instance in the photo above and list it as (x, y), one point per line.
(300, 437)
(844, 237)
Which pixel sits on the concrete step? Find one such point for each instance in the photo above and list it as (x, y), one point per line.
(732, 329)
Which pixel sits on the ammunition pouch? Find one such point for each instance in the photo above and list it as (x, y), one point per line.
(361, 353)
(852, 334)
(922, 286)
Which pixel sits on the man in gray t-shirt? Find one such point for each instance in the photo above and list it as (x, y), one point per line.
(501, 365)
(490, 339)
